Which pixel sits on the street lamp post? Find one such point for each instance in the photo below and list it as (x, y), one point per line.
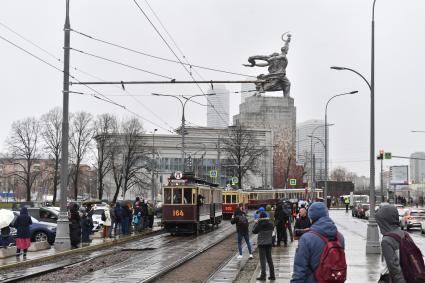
(153, 166)
(372, 243)
(62, 241)
(182, 128)
(311, 152)
(325, 192)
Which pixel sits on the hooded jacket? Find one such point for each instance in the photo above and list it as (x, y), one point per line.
(235, 220)
(387, 218)
(264, 228)
(22, 224)
(311, 246)
(108, 220)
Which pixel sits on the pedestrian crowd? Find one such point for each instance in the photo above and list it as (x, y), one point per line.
(320, 255)
(118, 219)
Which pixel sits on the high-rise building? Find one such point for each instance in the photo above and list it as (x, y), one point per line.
(218, 107)
(306, 146)
(417, 167)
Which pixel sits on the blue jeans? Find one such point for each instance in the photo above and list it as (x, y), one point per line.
(246, 237)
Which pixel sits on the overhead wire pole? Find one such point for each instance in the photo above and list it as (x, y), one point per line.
(62, 241)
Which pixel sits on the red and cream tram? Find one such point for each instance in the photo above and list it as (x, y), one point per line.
(259, 198)
(231, 199)
(191, 205)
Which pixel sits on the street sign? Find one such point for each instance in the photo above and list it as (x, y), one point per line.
(293, 182)
(213, 173)
(387, 155)
(178, 175)
(235, 180)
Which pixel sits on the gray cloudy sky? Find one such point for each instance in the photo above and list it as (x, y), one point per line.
(223, 34)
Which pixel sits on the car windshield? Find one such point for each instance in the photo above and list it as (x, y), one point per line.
(417, 213)
(32, 218)
(365, 205)
(98, 212)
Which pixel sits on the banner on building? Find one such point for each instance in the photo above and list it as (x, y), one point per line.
(399, 175)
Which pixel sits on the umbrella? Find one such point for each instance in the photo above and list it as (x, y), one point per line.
(6, 217)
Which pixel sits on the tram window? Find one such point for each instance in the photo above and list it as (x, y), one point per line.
(187, 196)
(167, 195)
(177, 196)
(234, 199)
(228, 199)
(224, 199)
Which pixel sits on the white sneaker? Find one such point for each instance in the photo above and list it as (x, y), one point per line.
(251, 256)
(239, 257)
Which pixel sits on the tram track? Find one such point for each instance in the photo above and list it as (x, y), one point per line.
(150, 259)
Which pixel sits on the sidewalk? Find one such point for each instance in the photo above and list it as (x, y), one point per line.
(361, 267)
(52, 252)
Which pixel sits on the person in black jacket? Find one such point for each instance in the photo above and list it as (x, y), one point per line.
(23, 237)
(281, 219)
(118, 211)
(240, 219)
(86, 227)
(302, 223)
(74, 226)
(264, 228)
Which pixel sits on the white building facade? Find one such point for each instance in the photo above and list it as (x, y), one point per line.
(417, 167)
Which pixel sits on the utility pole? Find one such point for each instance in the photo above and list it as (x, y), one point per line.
(153, 166)
(218, 160)
(62, 241)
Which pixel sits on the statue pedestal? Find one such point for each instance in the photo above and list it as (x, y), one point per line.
(276, 113)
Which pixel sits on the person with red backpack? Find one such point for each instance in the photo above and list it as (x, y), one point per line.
(320, 255)
(403, 258)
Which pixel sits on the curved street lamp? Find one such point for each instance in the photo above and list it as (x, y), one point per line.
(372, 243)
(325, 192)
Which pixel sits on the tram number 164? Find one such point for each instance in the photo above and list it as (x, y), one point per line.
(177, 212)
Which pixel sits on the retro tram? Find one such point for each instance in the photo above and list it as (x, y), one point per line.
(190, 204)
(233, 198)
(259, 198)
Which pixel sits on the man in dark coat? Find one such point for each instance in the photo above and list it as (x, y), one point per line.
(240, 219)
(118, 211)
(302, 223)
(281, 218)
(264, 228)
(74, 226)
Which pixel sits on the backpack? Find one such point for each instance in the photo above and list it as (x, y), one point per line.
(411, 260)
(243, 221)
(332, 266)
(103, 217)
(136, 219)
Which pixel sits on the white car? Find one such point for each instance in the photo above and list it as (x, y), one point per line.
(412, 218)
(97, 217)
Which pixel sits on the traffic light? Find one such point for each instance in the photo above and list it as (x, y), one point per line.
(381, 154)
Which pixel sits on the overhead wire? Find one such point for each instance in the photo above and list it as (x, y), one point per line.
(105, 99)
(177, 57)
(120, 63)
(157, 57)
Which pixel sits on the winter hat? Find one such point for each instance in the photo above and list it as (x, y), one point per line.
(261, 209)
(317, 210)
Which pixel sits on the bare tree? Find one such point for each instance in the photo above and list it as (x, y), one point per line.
(130, 162)
(105, 127)
(23, 145)
(51, 132)
(339, 174)
(242, 151)
(80, 139)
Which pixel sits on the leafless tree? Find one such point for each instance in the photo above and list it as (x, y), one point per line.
(81, 135)
(51, 124)
(130, 159)
(23, 149)
(339, 174)
(105, 128)
(242, 150)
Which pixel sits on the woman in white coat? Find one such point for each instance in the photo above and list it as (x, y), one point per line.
(106, 218)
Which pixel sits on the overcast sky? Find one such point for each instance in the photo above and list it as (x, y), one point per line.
(223, 34)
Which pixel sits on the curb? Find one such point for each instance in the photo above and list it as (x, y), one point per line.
(81, 250)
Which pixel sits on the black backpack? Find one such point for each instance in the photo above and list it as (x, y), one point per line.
(411, 260)
(243, 221)
(103, 217)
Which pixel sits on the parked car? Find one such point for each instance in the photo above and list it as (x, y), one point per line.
(39, 231)
(44, 214)
(412, 218)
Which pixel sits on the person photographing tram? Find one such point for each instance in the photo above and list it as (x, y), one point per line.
(242, 229)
